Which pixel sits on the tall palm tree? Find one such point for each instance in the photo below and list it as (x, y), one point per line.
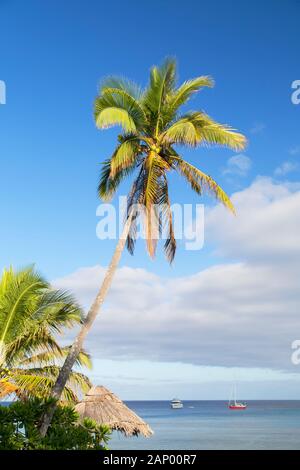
(31, 316)
(152, 131)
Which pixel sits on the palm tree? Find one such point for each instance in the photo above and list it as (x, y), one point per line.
(152, 127)
(31, 316)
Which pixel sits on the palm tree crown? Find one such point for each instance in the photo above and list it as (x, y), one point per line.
(31, 316)
(152, 126)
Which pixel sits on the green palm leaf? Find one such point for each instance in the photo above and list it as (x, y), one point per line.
(199, 181)
(187, 89)
(55, 357)
(18, 294)
(112, 116)
(125, 155)
(108, 185)
(197, 128)
(121, 83)
(39, 382)
(162, 83)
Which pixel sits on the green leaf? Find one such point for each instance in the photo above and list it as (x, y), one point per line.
(197, 128)
(187, 89)
(113, 116)
(199, 181)
(125, 155)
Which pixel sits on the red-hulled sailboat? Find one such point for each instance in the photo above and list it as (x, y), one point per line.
(234, 404)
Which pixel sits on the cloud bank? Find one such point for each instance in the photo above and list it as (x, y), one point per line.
(241, 312)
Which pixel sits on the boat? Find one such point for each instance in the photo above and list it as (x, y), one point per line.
(176, 403)
(234, 404)
(237, 406)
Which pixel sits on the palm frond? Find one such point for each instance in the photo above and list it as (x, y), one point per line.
(6, 388)
(116, 106)
(154, 188)
(30, 342)
(57, 309)
(187, 89)
(135, 202)
(113, 116)
(182, 132)
(167, 221)
(162, 82)
(131, 104)
(123, 84)
(38, 382)
(108, 185)
(197, 128)
(19, 293)
(125, 154)
(200, 181)
(55, 357)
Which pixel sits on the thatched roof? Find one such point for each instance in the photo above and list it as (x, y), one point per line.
(105, 408)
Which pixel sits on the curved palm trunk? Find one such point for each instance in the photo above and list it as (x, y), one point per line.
(87, 325)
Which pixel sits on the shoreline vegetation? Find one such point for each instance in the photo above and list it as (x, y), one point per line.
(19, 428)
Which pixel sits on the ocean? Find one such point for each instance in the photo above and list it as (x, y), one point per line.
(211, 425)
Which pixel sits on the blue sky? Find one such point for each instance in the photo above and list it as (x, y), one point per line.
(53, 55)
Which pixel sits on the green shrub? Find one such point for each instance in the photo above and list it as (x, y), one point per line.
(19, 425)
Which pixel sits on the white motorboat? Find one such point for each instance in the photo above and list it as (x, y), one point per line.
(176, 403)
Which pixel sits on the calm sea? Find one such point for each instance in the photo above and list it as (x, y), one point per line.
(210, 425)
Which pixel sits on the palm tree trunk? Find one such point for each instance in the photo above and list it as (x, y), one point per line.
(87, 325)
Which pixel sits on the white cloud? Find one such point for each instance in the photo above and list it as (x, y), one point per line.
(285, 168)
(238, 165)
(267, 225)
(241, 313)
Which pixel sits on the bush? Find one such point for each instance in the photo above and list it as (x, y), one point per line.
(19, 428)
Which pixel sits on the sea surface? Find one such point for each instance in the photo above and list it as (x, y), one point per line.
(211, 425)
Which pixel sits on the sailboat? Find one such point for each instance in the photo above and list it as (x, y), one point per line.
(234, 404)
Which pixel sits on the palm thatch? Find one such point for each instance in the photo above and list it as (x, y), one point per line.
(104, 407)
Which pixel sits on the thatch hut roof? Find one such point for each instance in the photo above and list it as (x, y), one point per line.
(105, 408)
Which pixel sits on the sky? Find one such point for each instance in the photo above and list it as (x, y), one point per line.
(228, 312)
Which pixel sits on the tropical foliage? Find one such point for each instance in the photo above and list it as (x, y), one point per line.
(32, 315)
(153, 129)
(19, 428)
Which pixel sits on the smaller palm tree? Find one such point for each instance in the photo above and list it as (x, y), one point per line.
(32, 314)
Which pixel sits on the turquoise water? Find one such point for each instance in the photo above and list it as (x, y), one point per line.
(210, 425)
